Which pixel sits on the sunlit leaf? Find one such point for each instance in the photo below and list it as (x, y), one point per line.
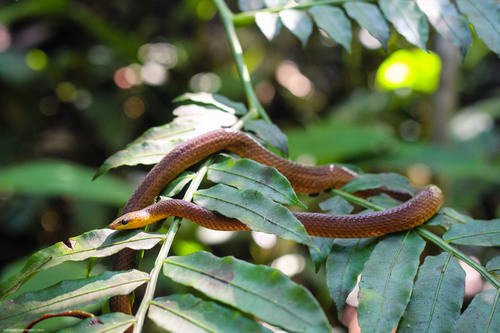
(246, 174)
(92, 244)
(483, 14)
(447, 21)
(475, 232)
(387, 281)
(213, 100)
(482, 314)
(186, 313)
(269, 132)
(334, 22)
(407, 19)
(298, 23)
(255, 210)
(115, 322)
(391, 181)
(58, 178)
(343, 266)
(269, 24)
(191, 120)
(275, 3)
(248, 5)
(68, 295)
(436, 299)
(369, 17)
(256, 289)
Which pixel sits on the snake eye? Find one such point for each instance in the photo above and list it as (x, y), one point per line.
(124, 221)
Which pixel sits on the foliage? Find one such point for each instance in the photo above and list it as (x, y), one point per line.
(395, 289)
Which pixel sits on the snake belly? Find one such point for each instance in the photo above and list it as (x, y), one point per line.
(304, 179)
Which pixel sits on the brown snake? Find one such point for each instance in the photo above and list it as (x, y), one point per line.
(141, 210)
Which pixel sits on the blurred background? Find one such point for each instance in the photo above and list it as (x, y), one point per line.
(81, 79)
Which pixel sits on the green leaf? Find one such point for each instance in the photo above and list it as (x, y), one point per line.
(176, 185)
(334, 22)
(447, 217)
(255, 210)
(298, 23)
(407, 19)
(275, 3)
(475, 232)
(450, 24)
(343, 266)
(269, 132)
(494, 265)
(186, 313)
(115, 322)
(246, 174)
(92, 244)
(387, 281)
(369, 17)
(482, 314)
(66, 295)
(437, 297)
(269, 24)
(391, 181)
(213, 100)
(191, 121)
(483, 14)
(256, 289)
(334, 205)
(62, 178)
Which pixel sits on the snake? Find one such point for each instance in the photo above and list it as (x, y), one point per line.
(141, 208)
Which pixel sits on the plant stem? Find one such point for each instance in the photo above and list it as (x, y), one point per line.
(424, 233)
(227, 19)
(165, 248)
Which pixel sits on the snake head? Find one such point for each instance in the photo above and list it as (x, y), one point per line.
(132, 220)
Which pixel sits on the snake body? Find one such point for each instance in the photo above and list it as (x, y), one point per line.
(304, 179)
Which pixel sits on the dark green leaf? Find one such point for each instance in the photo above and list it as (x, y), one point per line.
(68, 295)
(483, 14)
(58, 178)
(269, 24)
(407, 19)
(334, 22)
(175, 186)
(256, 289)
(92, 244)
(387, 281)
(246, 174)
(475, 232)
(437, 297)
(269, 132)
(343, 266)
(213, 100)
(186, 313)
(385, 201)
(391, 181)
(482, 314)
(298, 23)
(494, 265)
(255, 210)
(115, 322)
(369, 17)
(448, 217)
(334, 205)
(447, 21)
